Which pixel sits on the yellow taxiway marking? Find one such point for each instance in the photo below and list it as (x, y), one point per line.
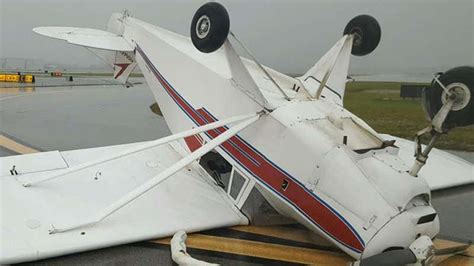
(465, 258)
(307, 237)
(263, 250)
(296, 254)
(15, 146)
(441, 243)
(284, 232)
(456, 261)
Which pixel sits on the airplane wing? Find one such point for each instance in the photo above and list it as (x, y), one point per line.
(91, 38)
(189, 200)
(442, 170)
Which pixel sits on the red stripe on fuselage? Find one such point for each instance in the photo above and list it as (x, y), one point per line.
(193, 142)
(269, 174)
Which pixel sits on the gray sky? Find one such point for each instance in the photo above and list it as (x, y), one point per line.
(290, 35)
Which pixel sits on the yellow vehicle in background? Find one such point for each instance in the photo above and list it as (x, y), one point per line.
(28, 78)
(17, 78)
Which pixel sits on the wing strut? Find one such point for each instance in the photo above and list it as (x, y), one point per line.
(142, 189)
(261, 67)
(139, 148)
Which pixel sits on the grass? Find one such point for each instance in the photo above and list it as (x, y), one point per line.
(380, 105)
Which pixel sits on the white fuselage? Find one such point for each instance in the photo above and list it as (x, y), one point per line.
(312, 160)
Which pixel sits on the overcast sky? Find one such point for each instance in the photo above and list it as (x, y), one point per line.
(289, 35)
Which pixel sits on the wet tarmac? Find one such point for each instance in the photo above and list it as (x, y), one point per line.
(75, 117)
(67, 118)
(64, 81)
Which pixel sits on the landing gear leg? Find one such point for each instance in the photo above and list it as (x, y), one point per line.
(435, 129)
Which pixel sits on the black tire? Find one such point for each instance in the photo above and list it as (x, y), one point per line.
(209, 39)
(367, 34)
(432, 97)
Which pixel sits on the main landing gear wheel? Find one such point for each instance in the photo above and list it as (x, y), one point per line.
(366, 32)
(210, 27)
(458, 86)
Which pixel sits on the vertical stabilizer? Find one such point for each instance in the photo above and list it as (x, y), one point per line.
(124, 64)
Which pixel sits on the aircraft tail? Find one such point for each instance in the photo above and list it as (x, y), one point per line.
(119, 53)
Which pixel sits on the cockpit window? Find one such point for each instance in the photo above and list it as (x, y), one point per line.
(217, 167)
(232, 181)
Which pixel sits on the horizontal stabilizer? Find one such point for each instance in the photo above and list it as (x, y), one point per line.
(91, 38)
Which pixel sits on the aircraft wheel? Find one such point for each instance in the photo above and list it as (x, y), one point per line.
(459, 82)
(210, 27)
(367, 33)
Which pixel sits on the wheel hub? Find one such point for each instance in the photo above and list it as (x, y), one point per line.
(203, 26)
(459, 93)
(357, 34)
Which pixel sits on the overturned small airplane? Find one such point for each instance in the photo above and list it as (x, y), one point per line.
(239, 129)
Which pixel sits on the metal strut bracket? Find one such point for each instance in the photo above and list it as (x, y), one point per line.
(164, 175)
(435, 129)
